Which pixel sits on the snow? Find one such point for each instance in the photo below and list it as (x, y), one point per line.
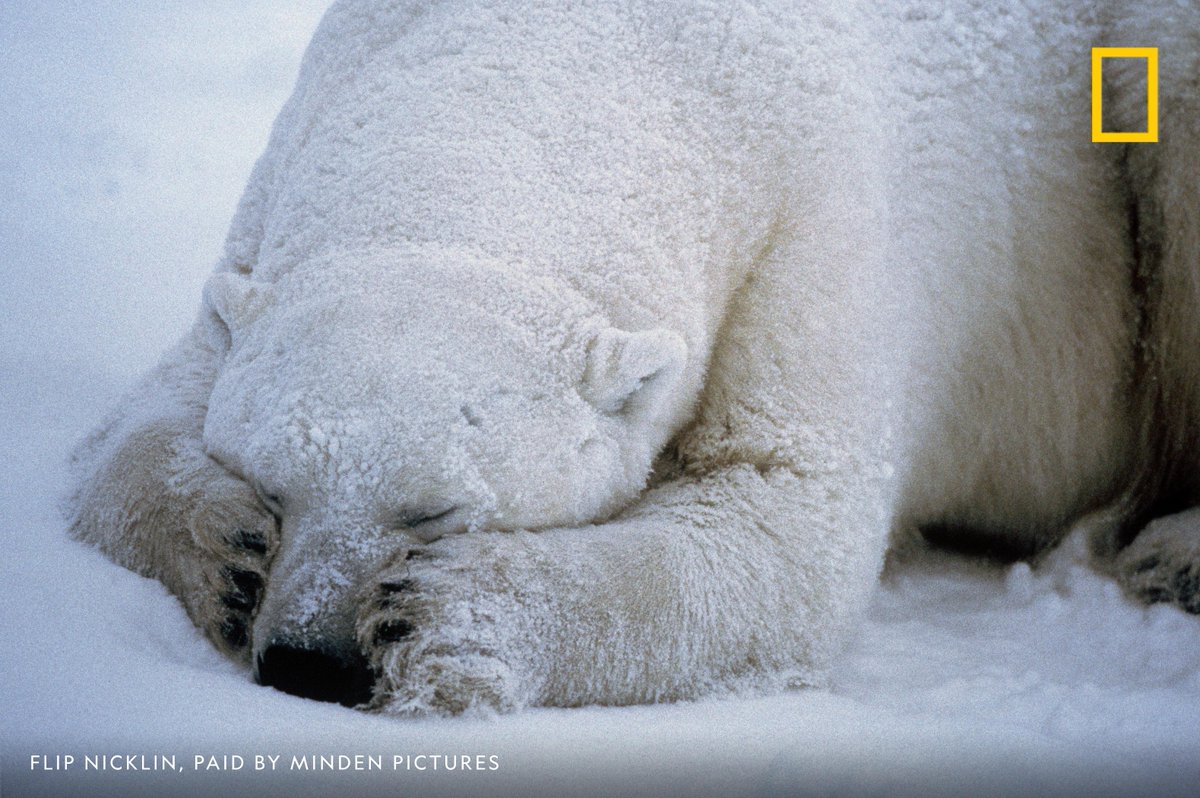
(128, 131)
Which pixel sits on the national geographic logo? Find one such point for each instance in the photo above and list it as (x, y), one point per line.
(1150, 54)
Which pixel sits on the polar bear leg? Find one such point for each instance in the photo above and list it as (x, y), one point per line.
(149, 497)
(1163, 562)
(747, 571)
(728, 581)
(1161, 558)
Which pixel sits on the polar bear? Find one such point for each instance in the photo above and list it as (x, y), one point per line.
(590, 353)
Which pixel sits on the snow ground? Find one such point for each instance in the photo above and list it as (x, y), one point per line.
(127, 131)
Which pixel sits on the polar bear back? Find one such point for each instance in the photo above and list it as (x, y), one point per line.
(647, 157)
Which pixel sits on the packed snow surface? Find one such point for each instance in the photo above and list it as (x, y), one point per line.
(127, 132)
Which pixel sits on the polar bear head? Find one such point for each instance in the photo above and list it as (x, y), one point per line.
(375, 404)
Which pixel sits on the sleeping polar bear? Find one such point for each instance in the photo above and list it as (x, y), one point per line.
(590, 355)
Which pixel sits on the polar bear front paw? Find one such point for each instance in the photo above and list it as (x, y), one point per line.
(1163, 562)
(440, 630)
(235, 537)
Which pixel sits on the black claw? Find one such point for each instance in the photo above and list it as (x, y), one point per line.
(250, 541)
(1186, 586)
(248, 583)
(237, 601)
(246, 587)
(233, 631)
(1146, 565)
(1155, 595)
(393, 631)
(399, 586)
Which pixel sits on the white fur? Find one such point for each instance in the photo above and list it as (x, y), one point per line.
(590, 329)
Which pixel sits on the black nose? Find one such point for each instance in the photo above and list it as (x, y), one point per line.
(316, 674)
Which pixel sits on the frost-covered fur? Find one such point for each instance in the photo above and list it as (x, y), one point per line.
(558, 349)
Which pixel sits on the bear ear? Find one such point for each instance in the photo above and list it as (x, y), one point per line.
(629, 372)
(236, 300)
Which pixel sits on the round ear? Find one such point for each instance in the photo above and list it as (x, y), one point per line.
(628, 373)
(236, 300)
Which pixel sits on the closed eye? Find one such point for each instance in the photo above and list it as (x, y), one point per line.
(417, 519)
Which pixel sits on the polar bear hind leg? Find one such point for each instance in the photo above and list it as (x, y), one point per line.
(1159, 544)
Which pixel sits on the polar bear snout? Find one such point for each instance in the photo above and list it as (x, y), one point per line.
(322, 674)
(304, 639)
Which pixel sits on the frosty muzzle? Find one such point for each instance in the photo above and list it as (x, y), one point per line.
(304, 634)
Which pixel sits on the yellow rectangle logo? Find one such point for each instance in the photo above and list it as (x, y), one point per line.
(1151, 56)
